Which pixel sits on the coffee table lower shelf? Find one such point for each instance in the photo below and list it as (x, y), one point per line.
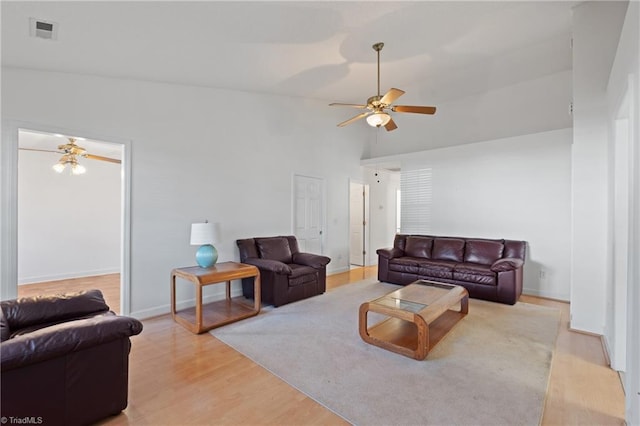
(401, 336)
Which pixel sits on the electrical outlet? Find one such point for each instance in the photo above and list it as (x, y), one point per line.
(543, 274)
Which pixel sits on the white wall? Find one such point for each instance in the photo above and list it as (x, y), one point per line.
(69, 226)
(514, 188)
(198, 153)
(596, 29)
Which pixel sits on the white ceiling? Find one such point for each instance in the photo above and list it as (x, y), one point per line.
(435, 51)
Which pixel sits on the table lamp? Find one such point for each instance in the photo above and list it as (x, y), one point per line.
(204, 235)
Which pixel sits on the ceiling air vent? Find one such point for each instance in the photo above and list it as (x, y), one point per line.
(43, 29)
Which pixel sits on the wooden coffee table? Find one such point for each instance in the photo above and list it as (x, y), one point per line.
(419, 315)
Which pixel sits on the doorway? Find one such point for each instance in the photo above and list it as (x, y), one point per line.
(71, 228)
(358, 223)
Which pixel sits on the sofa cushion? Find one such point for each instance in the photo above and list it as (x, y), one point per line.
(474, 273)
(416, 246)
(247, 248)
(473, 278)
(404, 264)
(474, 268)
(5, 331)
(399, 241)
(484, 252)
(302, 274)
(276, 248)
(515, 249)
(448, 249)
(437, 268)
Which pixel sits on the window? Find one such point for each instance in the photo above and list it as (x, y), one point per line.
(415, 208)
(398, 210)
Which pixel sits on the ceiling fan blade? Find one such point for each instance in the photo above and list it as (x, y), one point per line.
(101, 158)
(351, 120)
(348, 105)
(40, 150)
(391, 125)
(391, 96)
(416, 109)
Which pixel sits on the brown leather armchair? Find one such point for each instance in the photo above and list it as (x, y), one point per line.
(286, 274)
(64, 359)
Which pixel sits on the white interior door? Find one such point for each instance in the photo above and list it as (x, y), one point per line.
(308, 209)
(356, 224)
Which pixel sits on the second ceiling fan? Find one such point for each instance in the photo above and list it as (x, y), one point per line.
(378, 106)
(69, 157)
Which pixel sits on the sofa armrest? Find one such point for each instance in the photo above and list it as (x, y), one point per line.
(507, 264)
(316, 261)
(390, 253)
(269, 265)
(61, 339)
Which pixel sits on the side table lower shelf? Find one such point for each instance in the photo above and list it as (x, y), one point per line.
(199, 318)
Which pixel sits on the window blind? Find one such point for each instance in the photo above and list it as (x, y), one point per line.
(415, 205)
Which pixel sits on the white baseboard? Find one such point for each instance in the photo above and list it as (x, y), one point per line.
(217, 294)
(67, 276)
(545, 294)
(606, 349)
(337, 270)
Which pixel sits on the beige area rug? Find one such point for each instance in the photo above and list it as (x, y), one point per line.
(491, 369)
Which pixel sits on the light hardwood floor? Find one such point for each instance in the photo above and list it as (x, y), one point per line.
(179, 378)
(108, 284)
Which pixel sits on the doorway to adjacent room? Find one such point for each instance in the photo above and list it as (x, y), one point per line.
(71, 216)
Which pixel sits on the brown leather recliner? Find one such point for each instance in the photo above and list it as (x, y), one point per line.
(64, 359)
(286, 274)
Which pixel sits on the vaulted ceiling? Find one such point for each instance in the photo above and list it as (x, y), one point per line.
(436, 51)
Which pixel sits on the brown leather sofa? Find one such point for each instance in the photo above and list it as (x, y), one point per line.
(286, 274)
(64, 359)
(488, 269)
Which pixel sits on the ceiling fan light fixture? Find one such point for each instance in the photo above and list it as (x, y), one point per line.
(378, 119)
(72, 162)
(78, 169)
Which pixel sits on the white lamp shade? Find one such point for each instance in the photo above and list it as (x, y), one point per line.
(378, 119)
(204, 233)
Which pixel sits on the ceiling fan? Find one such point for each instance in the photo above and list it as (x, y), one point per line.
(378, 106)
(70, 153)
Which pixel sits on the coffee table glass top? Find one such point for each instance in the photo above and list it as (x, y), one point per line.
(415, 296)
(405, 305)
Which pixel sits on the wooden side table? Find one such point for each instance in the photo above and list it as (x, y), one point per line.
(219, 312)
